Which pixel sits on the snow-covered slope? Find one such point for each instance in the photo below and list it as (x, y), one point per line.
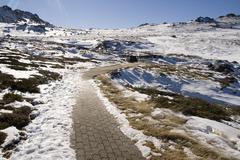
(205, 37)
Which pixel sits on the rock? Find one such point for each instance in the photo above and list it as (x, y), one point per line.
(158, 114)
(115, 74)
(231, 15)
(34, 103)
(34, 114)
(235, 62)
(118, 46)
(37, 28)
(146, 24)
(221, 66)
(21, 27)
(209, 129)
(132, 59)
(205, 20)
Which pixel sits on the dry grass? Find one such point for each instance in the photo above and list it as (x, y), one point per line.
(176, 151)
(162, 129)
(125, 103)
(144, 107)
(180, 71)
(188, 105)
(189, 72)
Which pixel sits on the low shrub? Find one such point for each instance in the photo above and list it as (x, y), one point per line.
(11, 97)
(50, 76)
(11, 119)
(57, 66)
(13, 61)
(227, 81)
(188, 105)
(193, 107)
(153, 92)
(3, 136)
(6, 80)
(20, 68)
(27, 85)
(25, 110)
(19, 118)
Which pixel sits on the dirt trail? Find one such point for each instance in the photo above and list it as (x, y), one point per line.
(96, 132)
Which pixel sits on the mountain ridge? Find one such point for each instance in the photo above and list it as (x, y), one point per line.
(8, 15)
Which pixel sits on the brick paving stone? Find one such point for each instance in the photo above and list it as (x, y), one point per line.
(96, 132)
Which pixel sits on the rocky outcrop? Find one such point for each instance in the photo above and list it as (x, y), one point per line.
(7, 15)
(205, 20)
(222, 66)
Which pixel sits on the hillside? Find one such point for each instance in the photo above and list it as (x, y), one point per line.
(7, 15)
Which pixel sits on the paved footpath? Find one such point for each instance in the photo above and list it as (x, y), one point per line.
(96, 133)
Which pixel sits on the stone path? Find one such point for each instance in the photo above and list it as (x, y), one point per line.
(96, 133)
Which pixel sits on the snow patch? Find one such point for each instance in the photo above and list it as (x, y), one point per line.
(12, 135)
(49, 133)
(5, 111)
(17, 73)
(220, 135)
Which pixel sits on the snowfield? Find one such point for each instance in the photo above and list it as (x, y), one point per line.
(216, 44)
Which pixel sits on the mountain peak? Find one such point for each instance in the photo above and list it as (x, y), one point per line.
(6, 7)
(7, 15)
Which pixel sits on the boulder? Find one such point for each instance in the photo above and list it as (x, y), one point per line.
(205, 20)
(158, 114)
(221, 66)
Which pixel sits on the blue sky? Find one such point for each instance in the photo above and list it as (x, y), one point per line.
(122, 13)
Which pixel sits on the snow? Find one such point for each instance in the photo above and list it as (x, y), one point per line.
(17, 73)
(5, 111)
(12, 135)
(209, 90)
(204, 89)
(140, 97)
(158, 113)
(3, 92)
(136, 95)
(190, 154)
(88, 43)
(27, 61)
(18, 104)
(191, 39)
(94, 55)
(49, 133)
(220, 135)
(207, 45)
